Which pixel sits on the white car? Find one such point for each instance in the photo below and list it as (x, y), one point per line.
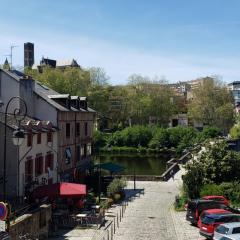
(227, 231)
(231, 237)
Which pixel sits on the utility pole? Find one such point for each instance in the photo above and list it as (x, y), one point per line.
(11, 54)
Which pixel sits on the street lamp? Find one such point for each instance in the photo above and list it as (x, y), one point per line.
(18, 135)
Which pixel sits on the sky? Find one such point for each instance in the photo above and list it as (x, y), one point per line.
(177, 40)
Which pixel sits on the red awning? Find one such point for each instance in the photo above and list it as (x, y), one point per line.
(60, 190)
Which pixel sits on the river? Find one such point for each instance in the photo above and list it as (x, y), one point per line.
(144, 164)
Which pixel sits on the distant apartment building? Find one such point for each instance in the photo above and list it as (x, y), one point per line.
(234, 88)
(70, 114)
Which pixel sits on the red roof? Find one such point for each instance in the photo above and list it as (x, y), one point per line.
(60, 190)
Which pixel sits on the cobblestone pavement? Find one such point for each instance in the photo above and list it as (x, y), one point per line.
(148, 217)
(152, 216)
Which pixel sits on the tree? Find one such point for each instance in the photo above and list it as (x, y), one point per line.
(216, 164)
(74, 81)
(212, 104)
(150, 97)
(98, 76)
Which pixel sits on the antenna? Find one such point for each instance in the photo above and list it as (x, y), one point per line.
(11, 55)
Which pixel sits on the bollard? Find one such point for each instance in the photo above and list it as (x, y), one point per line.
(107, 234)
(114, 226)
(117, 221)
(111, 232)
(120, 215)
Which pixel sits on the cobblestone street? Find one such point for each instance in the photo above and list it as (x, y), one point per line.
(148, 217)
(152, 216)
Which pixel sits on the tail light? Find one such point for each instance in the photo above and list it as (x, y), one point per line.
(196, 214)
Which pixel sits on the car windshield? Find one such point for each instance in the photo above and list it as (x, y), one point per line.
(222, 229)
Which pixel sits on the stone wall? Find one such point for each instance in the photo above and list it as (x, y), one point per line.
(33, 225)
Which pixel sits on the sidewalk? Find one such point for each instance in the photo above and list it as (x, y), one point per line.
(150, 216)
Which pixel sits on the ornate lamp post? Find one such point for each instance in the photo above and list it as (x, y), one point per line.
(18, 135)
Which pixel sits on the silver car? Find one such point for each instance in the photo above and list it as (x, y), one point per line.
(231, 237)
(227, 229)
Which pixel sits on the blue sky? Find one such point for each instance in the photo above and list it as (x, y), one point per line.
(175, 39)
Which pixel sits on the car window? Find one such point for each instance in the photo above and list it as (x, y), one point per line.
(192, 205)
(236, 230)
(222, 229)
(210, 205)
(208, 220)
(217, 199)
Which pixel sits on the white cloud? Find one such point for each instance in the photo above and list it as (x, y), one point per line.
(119, 61)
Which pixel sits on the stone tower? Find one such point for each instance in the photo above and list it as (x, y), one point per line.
(28, 54)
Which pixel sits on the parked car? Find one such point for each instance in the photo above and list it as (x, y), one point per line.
(209, 212)
(216, 198)
(195, 208)
(220, 199)
(211, 222)
(231, 237)
(226, 229)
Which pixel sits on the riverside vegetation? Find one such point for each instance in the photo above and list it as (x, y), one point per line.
(152, 139)
(214, 171)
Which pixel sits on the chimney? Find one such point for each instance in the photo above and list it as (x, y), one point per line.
(27, 87)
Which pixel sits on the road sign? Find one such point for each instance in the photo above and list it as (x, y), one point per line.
(3, 211)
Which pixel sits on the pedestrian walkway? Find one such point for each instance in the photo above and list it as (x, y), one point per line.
(150, 216)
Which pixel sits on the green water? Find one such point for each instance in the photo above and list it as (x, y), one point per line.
(143, 164)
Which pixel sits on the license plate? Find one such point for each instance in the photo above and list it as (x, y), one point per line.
(204, 228)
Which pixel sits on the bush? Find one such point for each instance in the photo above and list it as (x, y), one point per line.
(235, 132)
(209, 132)
(160, 139)
(210, 189)
(99, 139)
(116, 186)
(230, 190)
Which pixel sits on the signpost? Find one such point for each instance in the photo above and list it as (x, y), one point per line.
(2, 226)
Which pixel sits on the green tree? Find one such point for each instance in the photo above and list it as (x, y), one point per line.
(212, 104)
(214, 165)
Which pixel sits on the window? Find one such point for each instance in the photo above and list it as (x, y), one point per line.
(85, 150)
(67, 130)
(49, 162)
(39, 138)
(29, 139)
(89, 149)
(68, 154)
(77, 129)
(236, 230)
(78, 152)
(49, 137)
(86, 128)
(28, 169)
(38, 165)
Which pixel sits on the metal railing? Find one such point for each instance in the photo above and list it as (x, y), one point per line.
(110, 229)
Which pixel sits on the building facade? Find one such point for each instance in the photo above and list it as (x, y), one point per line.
(70, 114)
(34, 162)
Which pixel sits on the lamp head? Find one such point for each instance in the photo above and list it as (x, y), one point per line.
(18, 137)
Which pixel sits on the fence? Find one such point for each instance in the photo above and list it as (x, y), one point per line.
(110, 229)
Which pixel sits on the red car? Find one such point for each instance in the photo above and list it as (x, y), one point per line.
(209, 212)
(210, 222)
(220, 199)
